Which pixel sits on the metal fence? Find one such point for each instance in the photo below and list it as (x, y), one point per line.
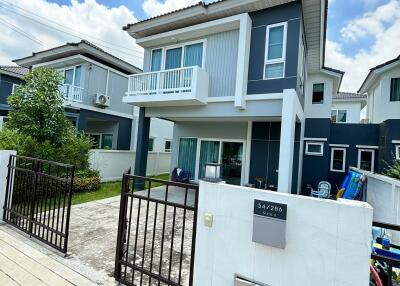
(387, 261)
(156, 232)
(38, 199)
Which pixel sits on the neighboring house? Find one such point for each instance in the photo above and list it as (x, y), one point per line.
(10, 78)
(236, 78)
(331, 148)
(93, 85)
(347, 107)
(382, 87)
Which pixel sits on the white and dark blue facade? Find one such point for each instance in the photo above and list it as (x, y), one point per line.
(89, 72)
(247, 88)
(331, 148)
(233, 83)
(10, 78)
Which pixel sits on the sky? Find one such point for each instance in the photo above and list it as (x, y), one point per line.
(361, 33)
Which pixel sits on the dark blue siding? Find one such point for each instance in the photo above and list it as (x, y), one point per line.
(389, 131)
(260, 19)
(124, 126)
(317, 168)
(6, 83)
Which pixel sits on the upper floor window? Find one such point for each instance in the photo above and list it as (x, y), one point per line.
(395, 89)
(338, 116)
(318, 93)
(14, 87)
(72, 75)
(275, 51)
(186, 55)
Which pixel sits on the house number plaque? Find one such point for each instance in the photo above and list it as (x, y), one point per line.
(269, 223)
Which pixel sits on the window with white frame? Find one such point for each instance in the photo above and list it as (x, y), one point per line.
(14, 87)
(338, 159)
(151, 144)
(72, 75)
(185, 55)
(338, 116)
(318, 93)
(366, 159)
(397, 147)
(167, 146)
(275, 51)
(315, 148)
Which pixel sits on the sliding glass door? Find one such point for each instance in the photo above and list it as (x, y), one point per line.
(187, 155)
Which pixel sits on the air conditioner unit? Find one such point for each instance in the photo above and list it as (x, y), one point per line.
(102, 100)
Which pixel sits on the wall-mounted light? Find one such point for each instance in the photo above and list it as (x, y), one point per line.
(212, 172)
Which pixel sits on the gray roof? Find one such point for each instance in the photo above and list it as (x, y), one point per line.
(17, 71)
(81, 47)
(349, 96)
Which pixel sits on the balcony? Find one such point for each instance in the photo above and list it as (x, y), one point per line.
(72, 93)
(175, 87)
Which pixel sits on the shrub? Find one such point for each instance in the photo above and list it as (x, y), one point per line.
(393, 170)
(87, 180)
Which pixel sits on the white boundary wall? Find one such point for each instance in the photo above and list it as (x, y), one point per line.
(328, 242)
(112, 163)
(383, 194)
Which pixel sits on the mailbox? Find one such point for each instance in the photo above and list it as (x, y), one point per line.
(269, 223)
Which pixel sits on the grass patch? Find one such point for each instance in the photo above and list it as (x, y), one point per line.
(107, 190)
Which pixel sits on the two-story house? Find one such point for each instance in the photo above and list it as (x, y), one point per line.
(382, 88)
(93, 85)
(10, 78)
(348, 107)
(330, 149)
(237, 78)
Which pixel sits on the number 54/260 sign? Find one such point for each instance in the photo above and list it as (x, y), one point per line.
(270, 209)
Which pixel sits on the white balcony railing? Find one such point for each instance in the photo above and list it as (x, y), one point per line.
(188, 85)
(72, 93)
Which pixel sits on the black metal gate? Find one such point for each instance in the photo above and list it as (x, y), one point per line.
(156, 233)
(38, 199)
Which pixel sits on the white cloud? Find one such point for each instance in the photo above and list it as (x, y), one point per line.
(90, 18)
(372, 23)
(155, 8)
(385, 45)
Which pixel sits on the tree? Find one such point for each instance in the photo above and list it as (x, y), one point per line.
(37, 108)
(37, 126)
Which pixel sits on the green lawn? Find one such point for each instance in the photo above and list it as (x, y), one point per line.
(107, 190)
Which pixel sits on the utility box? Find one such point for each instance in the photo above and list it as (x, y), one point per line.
(269, 223)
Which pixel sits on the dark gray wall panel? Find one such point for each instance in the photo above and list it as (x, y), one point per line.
(6, 83)
(291, 13)
(124, 129)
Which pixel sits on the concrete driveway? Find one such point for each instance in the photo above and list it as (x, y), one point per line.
(94, 225)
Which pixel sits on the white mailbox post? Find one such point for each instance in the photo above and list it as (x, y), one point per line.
(4, 159)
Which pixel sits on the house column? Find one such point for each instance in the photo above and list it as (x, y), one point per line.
(142, 147)
(291, 112)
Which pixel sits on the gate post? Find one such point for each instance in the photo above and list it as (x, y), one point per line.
(4, 160)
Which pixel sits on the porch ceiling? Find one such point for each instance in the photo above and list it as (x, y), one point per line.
(224, 119)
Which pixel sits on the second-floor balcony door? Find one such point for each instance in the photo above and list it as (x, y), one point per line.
(72, 84)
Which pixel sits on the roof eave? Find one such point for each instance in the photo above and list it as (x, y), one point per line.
(79, 48)
(17, 75)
